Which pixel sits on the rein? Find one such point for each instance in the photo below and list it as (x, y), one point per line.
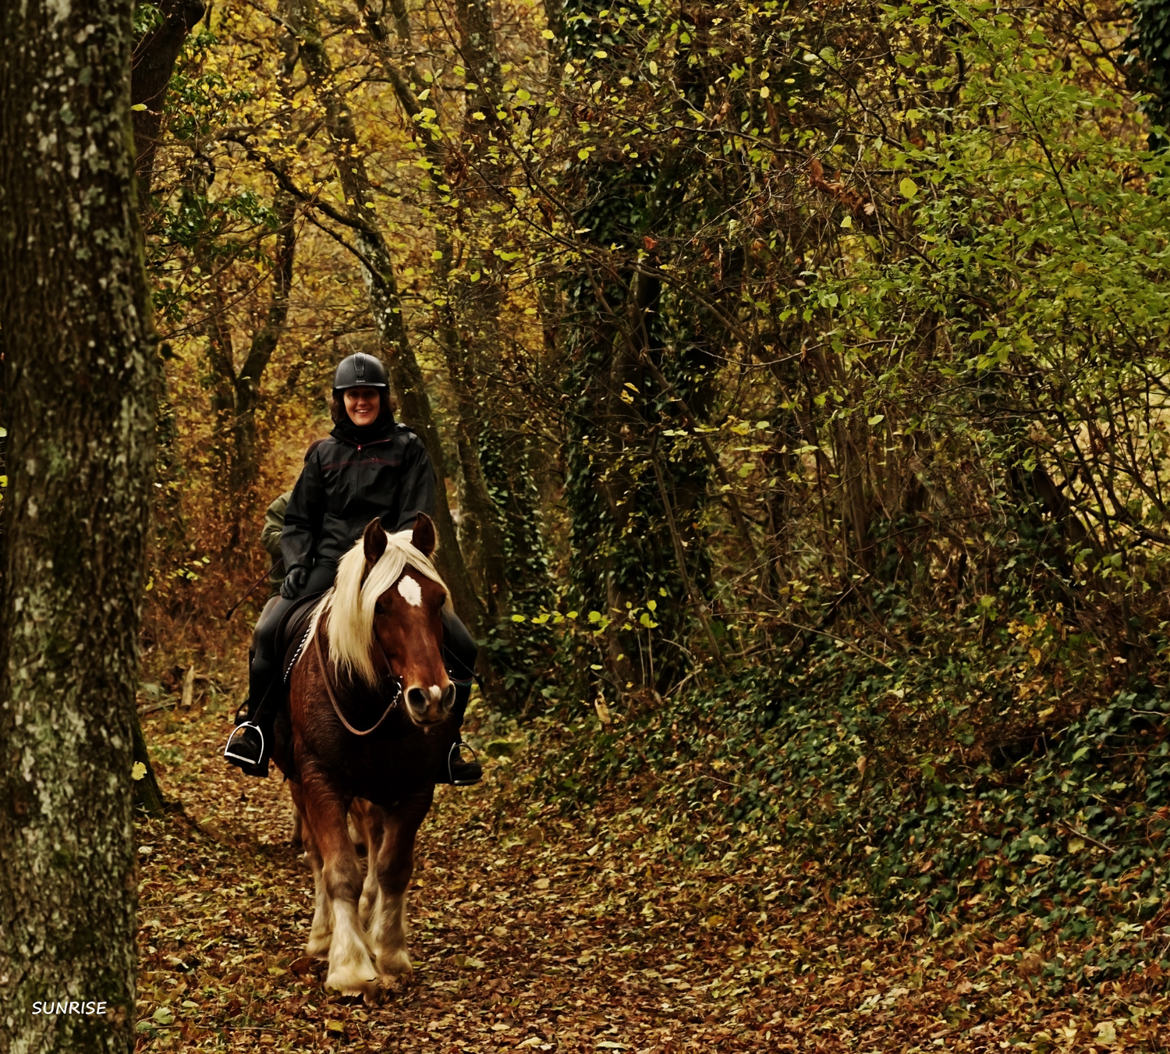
(333, 698)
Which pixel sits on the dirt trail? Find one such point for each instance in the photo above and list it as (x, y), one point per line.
(524, 935)
(531, 929)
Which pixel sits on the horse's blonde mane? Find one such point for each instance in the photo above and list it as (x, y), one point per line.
(348, 608)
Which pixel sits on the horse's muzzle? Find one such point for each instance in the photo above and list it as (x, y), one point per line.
(429, 707)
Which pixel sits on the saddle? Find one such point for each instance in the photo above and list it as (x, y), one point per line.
(292, 635)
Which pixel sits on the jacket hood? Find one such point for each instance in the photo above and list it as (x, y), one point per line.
(383, 427)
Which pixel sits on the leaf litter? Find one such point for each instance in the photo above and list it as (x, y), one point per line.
(540, 924)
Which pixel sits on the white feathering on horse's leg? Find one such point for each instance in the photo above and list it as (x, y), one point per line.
(388, 929)
(321, 931)
(371, 894)
(351, 970)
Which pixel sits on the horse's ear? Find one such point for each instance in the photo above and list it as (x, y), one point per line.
(423, 537)
(374, 541)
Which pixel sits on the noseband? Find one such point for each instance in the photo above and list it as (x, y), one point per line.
(395, 699)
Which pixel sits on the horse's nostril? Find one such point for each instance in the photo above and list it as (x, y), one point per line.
(426, 700)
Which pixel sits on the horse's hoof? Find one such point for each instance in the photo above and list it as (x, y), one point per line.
(352, 983)
(394, 964)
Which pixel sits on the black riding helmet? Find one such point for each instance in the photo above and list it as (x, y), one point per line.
(359, 371)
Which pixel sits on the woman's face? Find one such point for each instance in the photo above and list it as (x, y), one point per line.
(362, 405)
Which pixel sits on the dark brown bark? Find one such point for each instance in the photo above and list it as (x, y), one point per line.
(152, 64)
(479, 304)
(79, 382)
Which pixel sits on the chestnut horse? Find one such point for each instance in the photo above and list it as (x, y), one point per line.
(369, 709)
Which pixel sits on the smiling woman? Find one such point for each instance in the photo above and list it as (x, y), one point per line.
(363, 405)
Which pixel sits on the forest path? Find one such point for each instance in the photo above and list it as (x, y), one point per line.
(536, 928)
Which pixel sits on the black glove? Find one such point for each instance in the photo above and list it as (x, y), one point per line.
(294, 582)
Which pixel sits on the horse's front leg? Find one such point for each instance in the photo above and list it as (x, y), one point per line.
(395, 865)
(351, 969)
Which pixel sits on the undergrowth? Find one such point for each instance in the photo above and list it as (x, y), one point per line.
(987, 787)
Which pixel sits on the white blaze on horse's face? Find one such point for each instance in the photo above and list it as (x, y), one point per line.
(427, 690)
(410, 590)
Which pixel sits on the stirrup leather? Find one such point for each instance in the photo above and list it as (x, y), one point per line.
(231, 755)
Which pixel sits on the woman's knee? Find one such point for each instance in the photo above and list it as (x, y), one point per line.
(459, 649)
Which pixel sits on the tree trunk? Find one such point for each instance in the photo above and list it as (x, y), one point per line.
(80, 381)
(480, 538)
(153, 63)
(500, 530)
(497, 480)
(641, 363)
(302, 17)
(236, 393)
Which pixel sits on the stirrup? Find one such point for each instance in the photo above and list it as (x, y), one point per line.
(454, 757)
(253, 766)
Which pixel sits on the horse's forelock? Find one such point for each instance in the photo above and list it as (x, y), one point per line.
(349, 607)
(399, 555)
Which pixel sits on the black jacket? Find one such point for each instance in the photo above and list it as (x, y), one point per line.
(346, 482)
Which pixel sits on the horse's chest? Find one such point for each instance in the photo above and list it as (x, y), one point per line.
(375, 766)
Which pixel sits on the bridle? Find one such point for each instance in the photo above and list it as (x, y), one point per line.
(395, 699)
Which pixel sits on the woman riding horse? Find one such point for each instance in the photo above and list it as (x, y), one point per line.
(370, 467)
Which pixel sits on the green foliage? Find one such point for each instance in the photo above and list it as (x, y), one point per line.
(200, 96)
(147, 17)
(643, 351)
(199, 237)
(520, 651)
(1149, 44)
(950, 789)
